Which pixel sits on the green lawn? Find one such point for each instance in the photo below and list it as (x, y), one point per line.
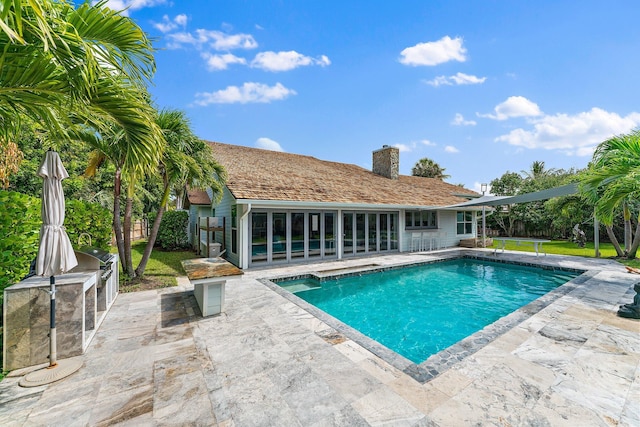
(161, 271)
(564, 247)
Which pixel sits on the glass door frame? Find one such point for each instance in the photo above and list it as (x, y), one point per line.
(288, 242)
(390, 216)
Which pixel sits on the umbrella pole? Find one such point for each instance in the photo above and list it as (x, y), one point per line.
(52, 322)
(55, 371)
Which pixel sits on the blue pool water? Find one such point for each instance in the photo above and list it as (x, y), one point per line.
(419, 311)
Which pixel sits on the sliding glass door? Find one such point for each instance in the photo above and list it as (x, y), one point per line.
(369, 232)
(285, 236)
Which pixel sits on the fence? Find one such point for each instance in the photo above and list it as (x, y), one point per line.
(139, 230)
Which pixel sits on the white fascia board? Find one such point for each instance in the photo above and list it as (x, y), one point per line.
(269, 204)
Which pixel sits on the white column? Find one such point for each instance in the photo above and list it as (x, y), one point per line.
(339, 236)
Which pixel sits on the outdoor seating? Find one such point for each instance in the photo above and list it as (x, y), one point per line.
(429, 239)
(416, 241)
(441, 241)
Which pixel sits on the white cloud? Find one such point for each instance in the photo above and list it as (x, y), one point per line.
(268, 144)
(214, 39)
(457, 79)
(169, 25)
(514, 106)
(404, 148)
(433, 53)
(451, 149)
(460, 121)
(250, 92)
(285, 61)
(221, 62)
(413, 145)
(572, 134)
(180, 19)
(226, 27)
(121, 5)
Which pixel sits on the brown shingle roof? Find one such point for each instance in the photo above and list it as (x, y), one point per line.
(258, 174)
(198, 197)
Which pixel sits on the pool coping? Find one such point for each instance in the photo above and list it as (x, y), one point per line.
(442, 361)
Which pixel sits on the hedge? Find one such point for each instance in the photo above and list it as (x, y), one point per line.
(20, 221)
(172, 234)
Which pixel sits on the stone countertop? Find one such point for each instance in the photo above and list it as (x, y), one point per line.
(208, 268)
(61, 280)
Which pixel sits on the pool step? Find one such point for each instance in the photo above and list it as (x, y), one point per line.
(300, 287)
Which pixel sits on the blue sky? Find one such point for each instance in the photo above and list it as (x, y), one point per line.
(481, 87)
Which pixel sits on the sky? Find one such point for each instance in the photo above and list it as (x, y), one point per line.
(481, 87)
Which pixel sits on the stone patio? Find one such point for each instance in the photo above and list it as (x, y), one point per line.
(268, 362)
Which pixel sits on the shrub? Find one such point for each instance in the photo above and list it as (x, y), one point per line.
(172, 233)
(20, 222)
(91, 218)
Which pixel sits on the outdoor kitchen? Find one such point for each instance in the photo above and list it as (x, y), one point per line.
(84, 296)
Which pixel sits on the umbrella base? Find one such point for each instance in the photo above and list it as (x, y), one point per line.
(50, 374)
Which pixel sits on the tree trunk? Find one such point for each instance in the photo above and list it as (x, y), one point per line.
(179, 192)
(153, 234)
(117, 226)
(636, 242)
(614, 241)
(127, 238)
(627, 228)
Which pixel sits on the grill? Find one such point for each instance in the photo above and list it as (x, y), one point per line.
(91, 259)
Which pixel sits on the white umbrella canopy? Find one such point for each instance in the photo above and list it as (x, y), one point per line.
(55, 254)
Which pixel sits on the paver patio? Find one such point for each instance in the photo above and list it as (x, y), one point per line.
(267, 362)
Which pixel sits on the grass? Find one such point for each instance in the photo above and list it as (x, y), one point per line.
(564, 247)
(161, 271)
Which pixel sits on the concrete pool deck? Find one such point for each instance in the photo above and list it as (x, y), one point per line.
(267, 362)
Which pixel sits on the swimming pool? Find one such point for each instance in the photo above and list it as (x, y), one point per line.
(421, 310)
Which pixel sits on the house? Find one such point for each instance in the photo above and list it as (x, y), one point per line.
(283, 208)
(198, 203)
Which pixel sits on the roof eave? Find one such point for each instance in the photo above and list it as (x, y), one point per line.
(257, 203)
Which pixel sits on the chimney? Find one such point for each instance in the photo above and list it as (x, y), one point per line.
(386, 162)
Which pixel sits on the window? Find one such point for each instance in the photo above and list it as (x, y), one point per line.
(234, 229)
(464, 222)
(421, 219)
(258, 236)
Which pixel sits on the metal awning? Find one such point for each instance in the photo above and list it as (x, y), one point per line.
(564, 190)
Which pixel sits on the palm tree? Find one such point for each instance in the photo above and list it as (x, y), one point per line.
(429, 169)
(116, 147)
(612, 180)
(59, 63)
(538, 170)
(82, 74)
(187, 160)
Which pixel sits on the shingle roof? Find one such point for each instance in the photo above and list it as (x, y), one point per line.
(257, 174)
(198, 197)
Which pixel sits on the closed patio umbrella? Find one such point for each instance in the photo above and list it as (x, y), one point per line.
(55, 256)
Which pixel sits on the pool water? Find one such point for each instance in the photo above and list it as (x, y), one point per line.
(419, 311)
